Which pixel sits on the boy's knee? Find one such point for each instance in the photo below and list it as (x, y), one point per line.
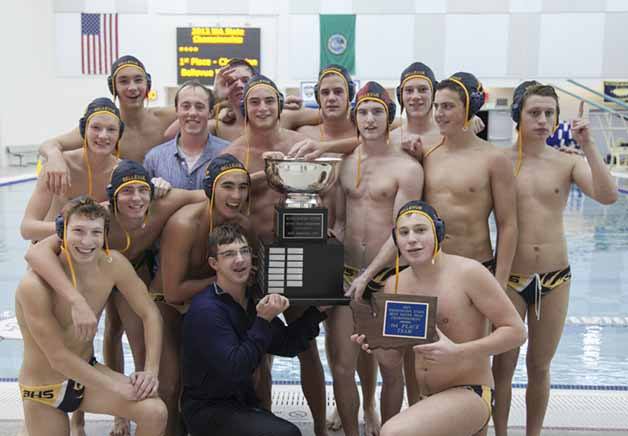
(391, 375)
(536, 369)
(504, 366)
(153, 412)
(390, 428)
(342, 370)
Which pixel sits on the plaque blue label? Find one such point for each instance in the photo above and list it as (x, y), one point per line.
(405, 319)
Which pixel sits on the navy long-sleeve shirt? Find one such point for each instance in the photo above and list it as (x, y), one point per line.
(223, 345)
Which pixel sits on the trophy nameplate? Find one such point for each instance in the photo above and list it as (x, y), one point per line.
(301, 224)
(396, 320)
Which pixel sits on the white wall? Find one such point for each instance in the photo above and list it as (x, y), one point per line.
(503, 41)
(34, 102)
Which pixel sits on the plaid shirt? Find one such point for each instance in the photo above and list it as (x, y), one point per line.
(167, 162)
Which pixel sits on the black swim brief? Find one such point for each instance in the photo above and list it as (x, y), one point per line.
(487, 394)
(532, 287)
(65, 396)
(490, 265)
(376, 284)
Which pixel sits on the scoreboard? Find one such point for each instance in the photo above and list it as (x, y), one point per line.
(203, 51)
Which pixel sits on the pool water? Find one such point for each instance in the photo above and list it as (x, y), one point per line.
(594, 347)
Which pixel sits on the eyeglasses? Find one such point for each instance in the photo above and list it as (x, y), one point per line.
(232, 254)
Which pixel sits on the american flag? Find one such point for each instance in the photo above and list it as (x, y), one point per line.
(99, 42)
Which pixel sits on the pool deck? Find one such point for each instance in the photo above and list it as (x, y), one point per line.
(571, 412)
(14, 174)
(101, 428)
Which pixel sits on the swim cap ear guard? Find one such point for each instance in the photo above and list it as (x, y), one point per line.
(477, 100)
(60, 226)
(256, 81)
(340, 71)
(415, 70)
(126, 61)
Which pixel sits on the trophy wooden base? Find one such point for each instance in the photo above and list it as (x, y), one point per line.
(307, 273)
(396, 320)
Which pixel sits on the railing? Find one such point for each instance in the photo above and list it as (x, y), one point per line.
(609, 124)
(22, 152)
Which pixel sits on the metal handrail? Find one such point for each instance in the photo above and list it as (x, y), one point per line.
(600, 94)
(607, 131)
(591, 102)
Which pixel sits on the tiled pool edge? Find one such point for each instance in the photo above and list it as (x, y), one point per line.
(585, 412)
(14, 180)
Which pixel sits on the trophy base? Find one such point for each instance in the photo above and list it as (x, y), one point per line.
(307, 273)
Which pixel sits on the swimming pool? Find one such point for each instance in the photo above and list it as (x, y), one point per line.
(594, 348)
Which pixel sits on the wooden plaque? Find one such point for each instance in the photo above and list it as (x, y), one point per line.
(396, 320)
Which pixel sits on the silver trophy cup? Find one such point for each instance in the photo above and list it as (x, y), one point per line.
(302, 181)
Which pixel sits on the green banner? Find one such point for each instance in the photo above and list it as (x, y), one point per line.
(338, 41)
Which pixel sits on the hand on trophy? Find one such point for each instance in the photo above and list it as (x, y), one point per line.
(442, 352)
(361, 341)
(307, 149)
(271, 305)
(273, 155)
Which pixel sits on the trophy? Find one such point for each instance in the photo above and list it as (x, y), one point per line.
(302, 263)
